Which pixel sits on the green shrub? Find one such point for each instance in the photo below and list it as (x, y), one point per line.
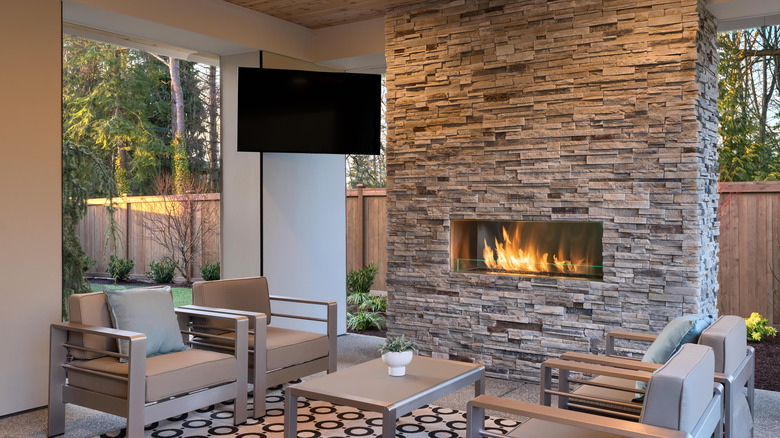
(758, 328)
(361, 321)
(360, 281)
(374, 304)
(162, 271)
(357, 298)
(210, 272)
(120, 268)
(87, 263)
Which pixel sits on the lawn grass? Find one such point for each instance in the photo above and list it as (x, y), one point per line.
(181, 295)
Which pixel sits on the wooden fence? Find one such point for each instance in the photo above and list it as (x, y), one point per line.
(134, 239)
(749, 273)
(367, 231)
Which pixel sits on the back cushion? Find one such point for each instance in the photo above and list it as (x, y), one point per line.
(248, 294)
(728, 339)
(90, 309)
(679, 392)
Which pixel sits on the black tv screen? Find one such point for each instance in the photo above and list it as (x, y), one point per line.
(308, 112)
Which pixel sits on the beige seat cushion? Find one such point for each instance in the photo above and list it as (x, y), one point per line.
(289, 347)
(608, 395)
(286, 347)
(167, 375)
(90, 309)
(248, 294)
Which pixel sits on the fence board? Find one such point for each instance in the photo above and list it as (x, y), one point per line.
(367, 238)
(750, 249)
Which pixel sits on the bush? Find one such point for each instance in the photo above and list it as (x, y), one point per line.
(162, 271)
(362, 321)
(120, 268)
(87, 263)
(758, 328)
(360, 281)
(374, 304)
(210, 272)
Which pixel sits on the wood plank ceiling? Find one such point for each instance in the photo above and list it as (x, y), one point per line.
(316, 14)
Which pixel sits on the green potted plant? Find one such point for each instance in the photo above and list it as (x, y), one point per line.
(397, 353)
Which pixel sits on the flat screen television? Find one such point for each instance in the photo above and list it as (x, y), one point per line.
(308, 112)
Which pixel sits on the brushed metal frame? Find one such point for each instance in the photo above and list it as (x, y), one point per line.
(391, 410)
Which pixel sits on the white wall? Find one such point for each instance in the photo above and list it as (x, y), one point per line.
(305, 232)
(240, 180)
(30, 199)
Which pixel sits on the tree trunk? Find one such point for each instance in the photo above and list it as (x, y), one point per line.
(177, 100)
(213, 107)
(181, 170)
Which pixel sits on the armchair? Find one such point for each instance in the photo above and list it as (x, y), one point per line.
(276, 355)
(681, 401)
(611, 393)
(85, 368)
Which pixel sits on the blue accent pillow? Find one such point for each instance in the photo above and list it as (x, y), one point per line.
(681, 330)
(149, 311)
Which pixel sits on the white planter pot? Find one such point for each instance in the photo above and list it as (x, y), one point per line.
(397, 362)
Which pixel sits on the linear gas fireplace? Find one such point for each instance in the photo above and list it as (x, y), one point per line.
(527, 248)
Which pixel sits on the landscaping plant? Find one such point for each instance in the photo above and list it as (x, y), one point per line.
(397, 344)
(162, 271)
(758, 328)
(362, 321)
(120, 268)
(360, 281)
(209, 271)
(364, 310)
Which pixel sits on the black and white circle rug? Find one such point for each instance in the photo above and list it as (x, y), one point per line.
(315, 419)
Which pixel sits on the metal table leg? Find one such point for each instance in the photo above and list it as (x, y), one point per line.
(290, 414)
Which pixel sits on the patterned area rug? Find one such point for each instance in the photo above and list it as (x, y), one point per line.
(315, 419)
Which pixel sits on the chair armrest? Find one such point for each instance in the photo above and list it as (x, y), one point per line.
(570, 418)
(612, 361)
(97, 330)
(619, 334)
(300, 300)
(241, 326)
(601, 370)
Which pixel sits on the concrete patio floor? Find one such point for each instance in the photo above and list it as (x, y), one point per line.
(353, 349)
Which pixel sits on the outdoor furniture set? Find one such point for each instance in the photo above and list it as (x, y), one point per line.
(100, 361)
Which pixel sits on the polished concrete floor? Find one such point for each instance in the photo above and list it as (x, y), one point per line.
(353, 349)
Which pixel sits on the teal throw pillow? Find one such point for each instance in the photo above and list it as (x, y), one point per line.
(681, 330)
(149, 311)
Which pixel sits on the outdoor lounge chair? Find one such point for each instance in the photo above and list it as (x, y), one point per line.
(276, 355)
(681, 401)
(86, 369)
(612, 391)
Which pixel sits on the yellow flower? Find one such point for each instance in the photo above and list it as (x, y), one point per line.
(756, 336)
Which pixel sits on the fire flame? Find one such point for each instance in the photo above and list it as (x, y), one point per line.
(508, 256)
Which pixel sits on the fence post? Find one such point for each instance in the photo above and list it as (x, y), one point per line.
(360, 232)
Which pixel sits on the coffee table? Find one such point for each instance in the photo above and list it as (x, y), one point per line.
(367, 386)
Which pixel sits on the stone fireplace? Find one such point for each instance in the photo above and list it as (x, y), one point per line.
(555, 112)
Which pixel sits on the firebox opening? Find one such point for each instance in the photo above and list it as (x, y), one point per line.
(527, 248)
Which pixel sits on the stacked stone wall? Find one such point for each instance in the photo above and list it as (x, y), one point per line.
(550, 110)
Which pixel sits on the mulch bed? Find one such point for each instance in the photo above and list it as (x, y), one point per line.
(767, 363)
